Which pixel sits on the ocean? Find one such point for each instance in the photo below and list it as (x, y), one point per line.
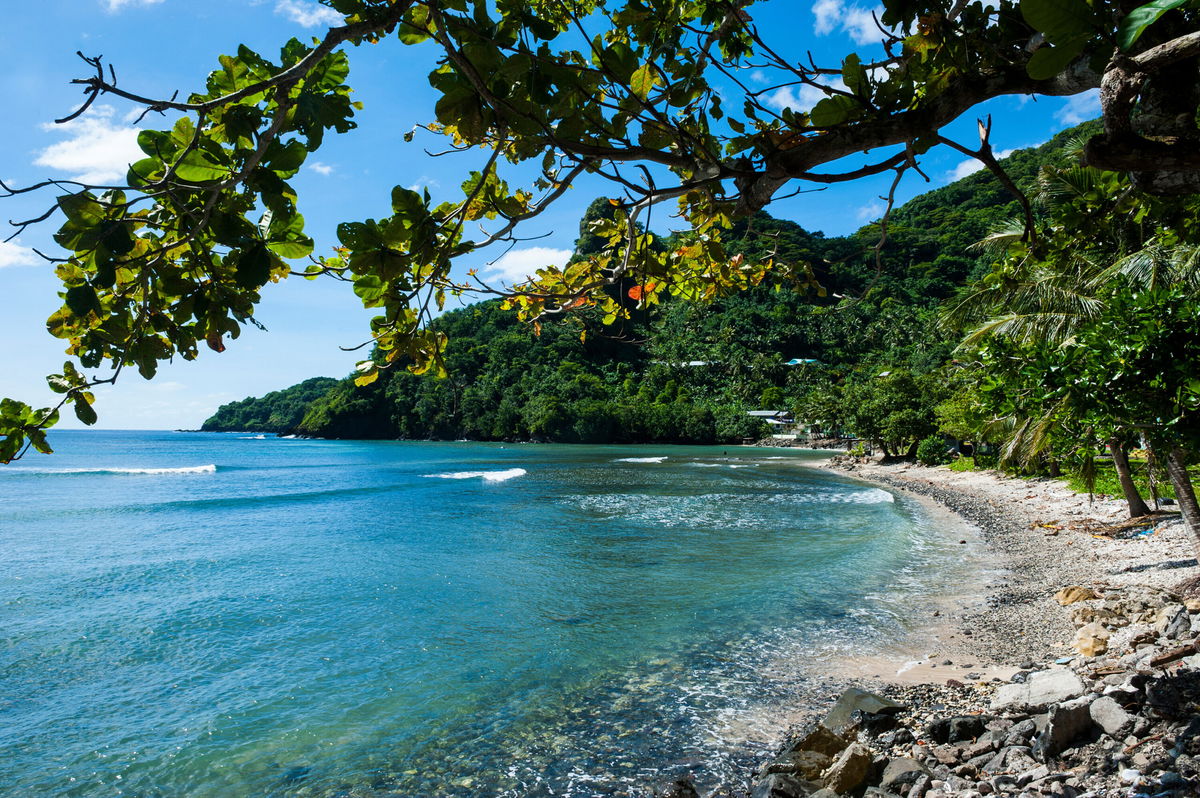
(200, 614)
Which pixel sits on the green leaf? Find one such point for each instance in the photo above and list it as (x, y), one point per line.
(1142, 17)
(200, 167)
(253, 267)
(83, 300)
(831, 111)
(85, 412)
(1046, 62)
(643, 80)
(1059, 20)
(286, 160)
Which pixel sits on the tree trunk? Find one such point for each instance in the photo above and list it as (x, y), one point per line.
(1121, 462)
(1182, 482)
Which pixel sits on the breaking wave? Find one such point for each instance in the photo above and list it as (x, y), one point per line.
(200, 469)
(640, 459)
(486, 476)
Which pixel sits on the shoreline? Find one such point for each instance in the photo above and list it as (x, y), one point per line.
(1037, 537)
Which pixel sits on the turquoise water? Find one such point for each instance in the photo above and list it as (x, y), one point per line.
(188, 614)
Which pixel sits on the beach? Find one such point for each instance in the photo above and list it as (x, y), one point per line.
(1112, 646)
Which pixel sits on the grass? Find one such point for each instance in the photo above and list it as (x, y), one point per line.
(1108, 484)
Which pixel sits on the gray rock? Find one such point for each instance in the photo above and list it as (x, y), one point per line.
(849, 770)
(1067, 722)
(680, 788)
(1110, 716)
(821, 740)
(839, 718)
(824, 792)
(919, 787)
(1172, 621)
(1037, 774)
(902, 773)
(808, 764)
(1040, 690)
(781, 785)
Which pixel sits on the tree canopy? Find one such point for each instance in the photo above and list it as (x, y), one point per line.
(646, 94)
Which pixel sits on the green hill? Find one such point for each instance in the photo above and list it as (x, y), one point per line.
(688, 373)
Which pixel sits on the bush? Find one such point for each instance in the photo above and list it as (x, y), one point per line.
(933, 451)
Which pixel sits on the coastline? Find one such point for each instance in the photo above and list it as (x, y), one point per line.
(996, 633)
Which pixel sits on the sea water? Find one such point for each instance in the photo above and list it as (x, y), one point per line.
(190, 614)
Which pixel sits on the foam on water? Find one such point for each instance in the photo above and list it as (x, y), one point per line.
(640, 459)
(486, 476)
(200, 469)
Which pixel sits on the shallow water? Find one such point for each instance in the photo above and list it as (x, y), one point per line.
(211, 615)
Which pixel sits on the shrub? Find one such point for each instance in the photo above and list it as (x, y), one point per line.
(933, 451)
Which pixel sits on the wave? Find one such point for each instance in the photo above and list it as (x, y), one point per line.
(200, 469)
(487, 476)
(252, 438)
(640, 459)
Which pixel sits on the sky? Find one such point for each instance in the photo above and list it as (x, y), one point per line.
(160, 46)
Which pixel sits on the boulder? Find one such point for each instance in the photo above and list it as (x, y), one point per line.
(1074, 593)
(1092, 639)
(840, 718)
(899, 774)
(821, 740)
(1066, 723)
(1111, 717)
(808, 764)
(680, 788)
(849, 770)
(956, 729)
(1041, 689)
(780, 785)
(1173, 621)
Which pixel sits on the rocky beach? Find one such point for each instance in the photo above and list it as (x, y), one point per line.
(1074, 671)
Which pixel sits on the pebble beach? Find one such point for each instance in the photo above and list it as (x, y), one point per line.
(1072, 668)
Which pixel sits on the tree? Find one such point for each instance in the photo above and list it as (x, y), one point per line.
(174, 259)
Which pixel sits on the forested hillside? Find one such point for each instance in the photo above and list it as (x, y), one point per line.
(689, 372)
(274, 412)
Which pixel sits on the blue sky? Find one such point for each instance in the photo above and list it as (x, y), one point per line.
(158, 46)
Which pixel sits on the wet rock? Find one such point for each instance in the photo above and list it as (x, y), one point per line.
(1067, 722)
(781, 785)
(1074, 593)
(1041, 689)
(849, 770)
(680, 788)
(902, 773)
(1111, 717)
(808, 764)
(840, 718)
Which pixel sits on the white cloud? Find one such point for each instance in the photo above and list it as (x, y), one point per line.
(1079, 108)
(321, 168)
(97, 150)
(971, 166)
(517, 264)
(800, 98)
(308, 14)
(13, 254)
(423, 182)
(856, 22)
(117, 5)
(870, 212)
